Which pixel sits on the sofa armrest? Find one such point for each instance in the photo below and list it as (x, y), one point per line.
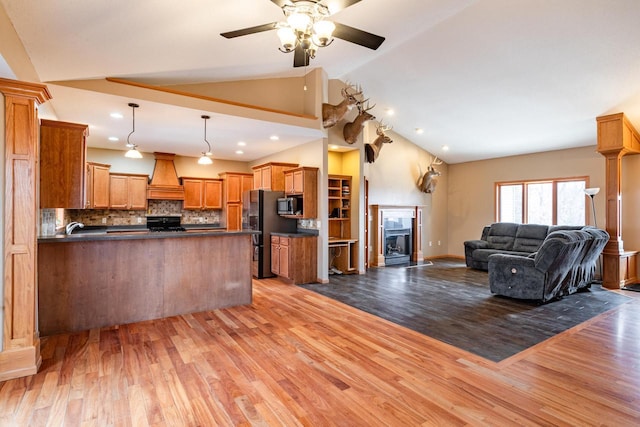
(515, 276)
(476, 244)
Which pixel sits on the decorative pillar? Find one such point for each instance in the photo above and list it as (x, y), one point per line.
(616, 138)
(20, 355)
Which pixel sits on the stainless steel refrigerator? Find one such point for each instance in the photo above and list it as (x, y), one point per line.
(260, 210)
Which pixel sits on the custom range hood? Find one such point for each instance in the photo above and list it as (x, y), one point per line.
(164, 182)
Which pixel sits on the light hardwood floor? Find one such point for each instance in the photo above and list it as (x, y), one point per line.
(294, 357)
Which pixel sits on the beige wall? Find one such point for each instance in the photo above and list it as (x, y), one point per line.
(630, 202)
(471, 195)
(393, 180)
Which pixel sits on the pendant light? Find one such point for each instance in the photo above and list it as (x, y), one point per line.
(133, 152)
(205, 159)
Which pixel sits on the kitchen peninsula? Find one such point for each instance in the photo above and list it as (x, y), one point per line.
(97, 279)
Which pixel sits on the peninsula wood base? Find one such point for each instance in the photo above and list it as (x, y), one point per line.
(619, 269)
(93, 284)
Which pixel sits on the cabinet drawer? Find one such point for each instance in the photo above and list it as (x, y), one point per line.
(284, 241)
(275, 239)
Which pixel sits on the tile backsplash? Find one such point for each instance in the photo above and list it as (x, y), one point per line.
(155, 207)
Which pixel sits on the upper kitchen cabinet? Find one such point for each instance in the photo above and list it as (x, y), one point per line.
(62, 164)
(200, 193)
(270, 176)
(302, 183)
(97, 185)
(235, 184)
(128, 191)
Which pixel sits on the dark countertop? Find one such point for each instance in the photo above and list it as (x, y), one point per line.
(93, 233)
(296, 234)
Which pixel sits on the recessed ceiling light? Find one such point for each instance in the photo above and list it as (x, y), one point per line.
(274, 137)
(242, 144)
(419, 131)
(239, 152)
(116, 115)
(333, 147)
(445, 148)
(113, 138)
(390, 111)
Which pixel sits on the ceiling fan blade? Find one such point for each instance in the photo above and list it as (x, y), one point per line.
(250, 30)
(357, 36)
(300, 57)
(338, 5)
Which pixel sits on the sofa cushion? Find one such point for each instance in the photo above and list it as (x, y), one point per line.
(502, 235)
(529, 237)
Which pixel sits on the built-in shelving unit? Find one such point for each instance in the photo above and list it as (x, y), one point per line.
(339, 206)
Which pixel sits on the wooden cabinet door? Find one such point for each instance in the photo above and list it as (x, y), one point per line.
(265, 173)
(137, 188)
(247, 184)
(257, 179)
(234, 216)
(288, 182)
(275, 257)
(118, 192)
(234, 189)
(212, 194)
(97, 183)
(284, 258)
(62, 164)
(193, 190)
(298, 182)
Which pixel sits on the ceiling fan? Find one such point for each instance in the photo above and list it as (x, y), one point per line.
(305, 28)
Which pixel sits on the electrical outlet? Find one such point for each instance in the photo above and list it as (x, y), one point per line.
(438, 242)
(430, 243)
(139, 220)
(104, 220)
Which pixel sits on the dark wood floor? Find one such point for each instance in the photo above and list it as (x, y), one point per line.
(450, 302)
(294, 357)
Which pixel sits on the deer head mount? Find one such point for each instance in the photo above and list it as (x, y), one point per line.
(372, 151)
(352, 130)
(332, 114)
(427, 182)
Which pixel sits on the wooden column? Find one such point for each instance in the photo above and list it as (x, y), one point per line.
(20, 355)
(616, 138)
(417, 255)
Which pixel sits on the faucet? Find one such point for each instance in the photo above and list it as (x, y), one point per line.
(72, 226)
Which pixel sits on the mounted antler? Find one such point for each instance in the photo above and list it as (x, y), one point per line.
(332, 114)
(373, 150)
(352, 130)
(427, 182)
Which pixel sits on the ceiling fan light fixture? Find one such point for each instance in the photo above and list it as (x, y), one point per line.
(299, 21)
(288, 39)
(323, 31)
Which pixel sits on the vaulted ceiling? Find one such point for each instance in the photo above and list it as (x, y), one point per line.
(486, 78)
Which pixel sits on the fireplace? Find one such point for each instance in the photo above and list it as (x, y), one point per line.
(396, 235)
(397, 246)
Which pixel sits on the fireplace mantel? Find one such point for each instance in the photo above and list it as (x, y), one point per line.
(378, 215)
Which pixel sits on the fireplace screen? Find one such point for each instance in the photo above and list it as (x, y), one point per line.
(397, 240)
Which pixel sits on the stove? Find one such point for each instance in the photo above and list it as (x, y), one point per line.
(164, 223)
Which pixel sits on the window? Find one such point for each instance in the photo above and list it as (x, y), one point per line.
(552, 201)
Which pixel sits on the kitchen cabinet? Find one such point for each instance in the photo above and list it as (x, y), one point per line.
(294, 257)
(302, 183)
(201, 193)
(235, 184)
(97, 186)
(63, 149)
(128, 191)
(270, 176)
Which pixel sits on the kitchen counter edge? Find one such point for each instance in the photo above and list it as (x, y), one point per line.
(134, 235)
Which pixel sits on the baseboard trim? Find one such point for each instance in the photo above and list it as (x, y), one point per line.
(20, 362)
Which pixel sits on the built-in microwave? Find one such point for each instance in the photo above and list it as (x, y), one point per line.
(287, 205)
